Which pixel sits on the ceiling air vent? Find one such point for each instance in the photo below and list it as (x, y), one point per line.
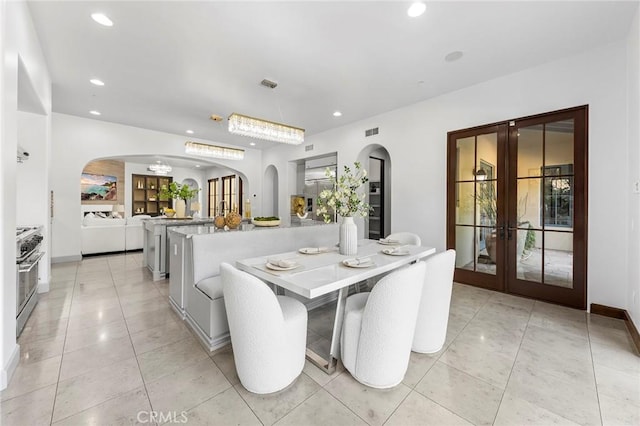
(308, 147)
(268, 83)
(371, 132)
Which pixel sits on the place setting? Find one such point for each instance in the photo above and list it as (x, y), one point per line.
(282, 265)
(313, 250)
(397, 251)
(388, 241)
(359, 262)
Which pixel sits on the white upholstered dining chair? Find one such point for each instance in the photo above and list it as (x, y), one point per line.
(433, 317)
(268, 332)
(405, 238)
(378, 328)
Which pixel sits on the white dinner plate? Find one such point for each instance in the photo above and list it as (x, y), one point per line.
(354, 263)
(396, 252)
(313, 250)
(280, 268)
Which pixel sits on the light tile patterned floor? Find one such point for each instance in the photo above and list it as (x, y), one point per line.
(103, 347)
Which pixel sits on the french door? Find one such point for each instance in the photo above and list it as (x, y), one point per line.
(517, 206)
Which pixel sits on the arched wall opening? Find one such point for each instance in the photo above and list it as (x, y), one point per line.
(369, 156)
(270, 192)
(196, 173)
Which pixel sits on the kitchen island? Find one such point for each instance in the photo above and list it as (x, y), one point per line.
(156, 243)
(196, 252)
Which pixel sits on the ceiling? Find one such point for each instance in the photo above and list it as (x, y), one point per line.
(168, 66)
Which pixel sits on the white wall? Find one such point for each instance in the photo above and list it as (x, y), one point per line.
(633, 82)
(18, 41)
(76, 141)
(416, 138)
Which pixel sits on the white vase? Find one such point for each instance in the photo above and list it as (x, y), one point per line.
(348, 237)
(181, 207)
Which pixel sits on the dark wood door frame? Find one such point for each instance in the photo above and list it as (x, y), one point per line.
(506, 280)
(492, 282)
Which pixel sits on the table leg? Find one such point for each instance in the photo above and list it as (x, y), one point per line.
(328, 365)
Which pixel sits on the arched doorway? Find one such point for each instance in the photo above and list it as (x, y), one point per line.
(377, 161)
(270, 191)
(192, 185)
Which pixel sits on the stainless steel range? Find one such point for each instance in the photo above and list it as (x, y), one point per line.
(28, 255)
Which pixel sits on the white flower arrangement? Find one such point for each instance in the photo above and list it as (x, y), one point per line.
(344, 198)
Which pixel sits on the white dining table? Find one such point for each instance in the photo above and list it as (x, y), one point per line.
(324, 272)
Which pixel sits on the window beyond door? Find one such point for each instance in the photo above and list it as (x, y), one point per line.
(557, 196)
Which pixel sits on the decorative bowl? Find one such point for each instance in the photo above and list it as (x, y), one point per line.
(265, 222)
(169, 212)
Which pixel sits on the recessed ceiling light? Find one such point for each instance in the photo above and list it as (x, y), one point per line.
(453, 56)
(94, 112)
(189, 132)
(97, 82)
(252, 144)
(337, 114)
(416, 9)
(102, 19)
(197, 165)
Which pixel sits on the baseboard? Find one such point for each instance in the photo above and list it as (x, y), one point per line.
(622, 314)
(212, 344)
(10, 367)
(65, 259)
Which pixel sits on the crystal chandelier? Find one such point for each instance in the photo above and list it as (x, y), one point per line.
(214, 151)
(263, 129)
(159, 168)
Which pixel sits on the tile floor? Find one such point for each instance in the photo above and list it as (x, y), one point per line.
(103, 347)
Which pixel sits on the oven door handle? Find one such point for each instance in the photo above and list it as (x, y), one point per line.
(28, 267)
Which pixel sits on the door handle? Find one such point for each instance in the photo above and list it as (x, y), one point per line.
(501, 232)
(510, 230)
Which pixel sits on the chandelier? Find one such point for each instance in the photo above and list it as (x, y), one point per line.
(213, 151)
(159, 168)
(263, 129)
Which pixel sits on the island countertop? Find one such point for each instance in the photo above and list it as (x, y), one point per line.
(177, 222)
(244, 227)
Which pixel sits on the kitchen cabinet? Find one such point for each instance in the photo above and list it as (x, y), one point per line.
(145, 194)
(375, 216)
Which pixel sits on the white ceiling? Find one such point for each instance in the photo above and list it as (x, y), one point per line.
(169, 65)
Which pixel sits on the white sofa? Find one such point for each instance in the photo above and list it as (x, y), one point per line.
(134, 232)
(107, 234)
(102, 235)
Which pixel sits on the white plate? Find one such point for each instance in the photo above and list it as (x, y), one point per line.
(313, 250)
(353, 263)
(280, 268)
(394, 252)
(385, 242)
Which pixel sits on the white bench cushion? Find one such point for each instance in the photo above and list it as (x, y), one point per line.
(211, 286)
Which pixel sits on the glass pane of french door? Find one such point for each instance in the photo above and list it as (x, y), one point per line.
(544, 240)
(547, 213)
(474, 173)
